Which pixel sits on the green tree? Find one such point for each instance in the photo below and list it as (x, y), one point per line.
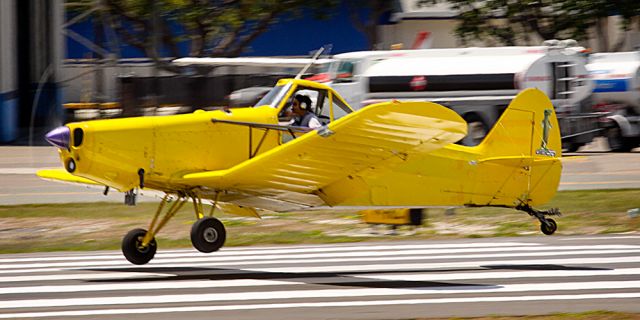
(511, 22)
(365, 16)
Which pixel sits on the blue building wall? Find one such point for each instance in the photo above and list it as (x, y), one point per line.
(300, 36)
(288, 37)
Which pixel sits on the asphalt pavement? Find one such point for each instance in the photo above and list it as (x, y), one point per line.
(593, 167)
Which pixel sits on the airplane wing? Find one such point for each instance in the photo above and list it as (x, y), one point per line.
(345, 147)
(63, 175)
(250, 61)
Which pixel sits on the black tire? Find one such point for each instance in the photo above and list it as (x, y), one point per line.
(132, 249)
(617, 142)
(549, 227)
(208, 235)
(573, 147)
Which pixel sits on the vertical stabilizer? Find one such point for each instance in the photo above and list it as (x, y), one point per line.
(528, 127)
(522, 152)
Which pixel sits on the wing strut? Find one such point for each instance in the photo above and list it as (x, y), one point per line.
(252, 153)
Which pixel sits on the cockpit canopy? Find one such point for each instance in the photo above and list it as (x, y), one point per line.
(327, 105)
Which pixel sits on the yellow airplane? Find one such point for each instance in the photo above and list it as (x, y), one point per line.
(387, 155)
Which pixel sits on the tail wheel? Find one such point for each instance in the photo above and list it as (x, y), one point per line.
(208, 234)
(134, 251)
(548, 226)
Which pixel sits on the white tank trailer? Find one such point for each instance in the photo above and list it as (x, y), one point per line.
(479, 83)
(616, 77)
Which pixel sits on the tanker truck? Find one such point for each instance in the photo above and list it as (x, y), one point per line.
(617, 93)
(478, 83)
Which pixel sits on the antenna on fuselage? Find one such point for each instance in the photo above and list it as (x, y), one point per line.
(313, 59)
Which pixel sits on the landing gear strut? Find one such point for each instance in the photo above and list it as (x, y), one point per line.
(207, 234)
(547, 226)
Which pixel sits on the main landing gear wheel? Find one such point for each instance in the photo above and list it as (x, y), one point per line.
(548, 226)
(134, 251)
(208, 234)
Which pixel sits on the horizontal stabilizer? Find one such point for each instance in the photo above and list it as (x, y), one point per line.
(517, 161)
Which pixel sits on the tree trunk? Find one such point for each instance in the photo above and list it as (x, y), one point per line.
(622, 39)
(602, 34)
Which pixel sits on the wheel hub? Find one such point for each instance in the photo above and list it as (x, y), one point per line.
(141, 248)
(210, 235)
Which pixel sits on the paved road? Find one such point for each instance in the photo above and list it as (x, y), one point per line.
(390, 280)
(590, 169)
(593, 167)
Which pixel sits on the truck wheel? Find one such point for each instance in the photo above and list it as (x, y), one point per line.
(573, 147)
(617, 142)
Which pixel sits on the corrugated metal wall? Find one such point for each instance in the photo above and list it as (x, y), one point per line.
(33, 48)
(8, 75)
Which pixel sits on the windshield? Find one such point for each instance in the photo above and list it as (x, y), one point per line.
(323, 68)
(273, 97)
(345, 67)
(344, 71)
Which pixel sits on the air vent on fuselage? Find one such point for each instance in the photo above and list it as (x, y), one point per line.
(78, 136)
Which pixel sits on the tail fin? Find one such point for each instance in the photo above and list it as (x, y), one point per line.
(522, 152)
(527, 128)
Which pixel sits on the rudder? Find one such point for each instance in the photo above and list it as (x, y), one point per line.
(521, 154)
(528, 127)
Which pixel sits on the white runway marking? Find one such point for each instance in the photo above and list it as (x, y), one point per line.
(298, 259)
(237, 254)
(84, 276)
(155, 285)
(321, 305)
(462, 264)
(347, 275)
(504, 275)
(327, 293)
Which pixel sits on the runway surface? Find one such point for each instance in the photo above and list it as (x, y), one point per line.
(375, 280)
(592, 169)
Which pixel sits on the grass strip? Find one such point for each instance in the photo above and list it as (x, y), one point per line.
(100, 226)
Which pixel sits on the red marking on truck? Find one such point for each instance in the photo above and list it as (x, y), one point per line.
(418, 83)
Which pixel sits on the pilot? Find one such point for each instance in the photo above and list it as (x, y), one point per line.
(302, 114)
